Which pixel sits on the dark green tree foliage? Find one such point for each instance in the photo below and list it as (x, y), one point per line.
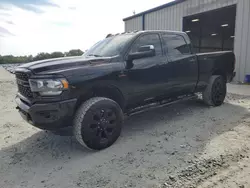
(15, 59)
(76, 52)
(56, 55)
(41, 56)
(10, 59)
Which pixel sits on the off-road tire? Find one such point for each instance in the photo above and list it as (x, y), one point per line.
(215, 92)
(82, 129)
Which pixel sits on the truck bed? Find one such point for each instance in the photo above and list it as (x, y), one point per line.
(216, 62)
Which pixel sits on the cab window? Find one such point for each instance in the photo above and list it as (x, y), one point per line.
(175, 45)
(148, 39)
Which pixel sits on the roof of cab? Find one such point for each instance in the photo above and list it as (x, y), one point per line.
(161, 31)
(136, 33)
(156, 31)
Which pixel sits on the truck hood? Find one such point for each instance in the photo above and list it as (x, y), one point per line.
(58, 65)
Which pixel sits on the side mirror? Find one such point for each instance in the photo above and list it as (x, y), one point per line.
(143, 52)
(146, 48)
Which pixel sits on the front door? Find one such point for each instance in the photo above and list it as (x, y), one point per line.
(146, 77)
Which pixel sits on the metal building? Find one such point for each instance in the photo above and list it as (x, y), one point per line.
(213, 25)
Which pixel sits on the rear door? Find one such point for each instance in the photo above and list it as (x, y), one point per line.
(183, 63)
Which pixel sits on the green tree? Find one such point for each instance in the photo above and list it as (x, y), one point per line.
(41, 56)
(56, 55)
(74, 52)
(10, 59)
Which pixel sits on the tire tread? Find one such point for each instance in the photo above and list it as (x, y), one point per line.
(207, 93)
(80, 114)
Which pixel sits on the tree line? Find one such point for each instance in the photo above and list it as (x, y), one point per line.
(10, 59)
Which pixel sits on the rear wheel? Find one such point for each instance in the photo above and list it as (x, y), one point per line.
(98, 123)
(215, 93)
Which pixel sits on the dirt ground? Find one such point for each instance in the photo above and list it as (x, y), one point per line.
(183, 145)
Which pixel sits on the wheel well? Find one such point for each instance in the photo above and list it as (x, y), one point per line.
(221, 73)
(110, 92)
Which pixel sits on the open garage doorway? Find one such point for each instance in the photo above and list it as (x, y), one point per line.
(213, 30)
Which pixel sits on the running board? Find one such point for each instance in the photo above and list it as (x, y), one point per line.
(160, 104)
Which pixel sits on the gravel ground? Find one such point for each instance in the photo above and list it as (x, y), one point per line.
(183, 145)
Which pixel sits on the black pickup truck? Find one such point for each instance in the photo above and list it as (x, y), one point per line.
(119, 75)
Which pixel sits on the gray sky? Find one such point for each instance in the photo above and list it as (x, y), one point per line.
(32, 26)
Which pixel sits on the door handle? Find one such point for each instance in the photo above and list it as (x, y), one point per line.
(192, 60)
(122, 74)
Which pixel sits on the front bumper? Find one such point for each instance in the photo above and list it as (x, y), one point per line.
(48, 116)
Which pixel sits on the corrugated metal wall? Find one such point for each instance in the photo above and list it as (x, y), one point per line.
(242, 39)
(171, 18)
(134, 24)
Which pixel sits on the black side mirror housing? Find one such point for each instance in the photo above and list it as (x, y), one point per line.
(143, 52)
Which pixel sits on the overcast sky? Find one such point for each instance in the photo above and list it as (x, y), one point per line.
(32, 26)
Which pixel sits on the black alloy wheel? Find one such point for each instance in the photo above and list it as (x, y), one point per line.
(98, 123)
(102, 124)
(215, 92)
(218, 92)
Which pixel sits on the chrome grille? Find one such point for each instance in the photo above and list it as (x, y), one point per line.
(23, 84)
(22, 76)
(25, 91)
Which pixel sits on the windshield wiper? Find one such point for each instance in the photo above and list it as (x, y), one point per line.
(95, 55)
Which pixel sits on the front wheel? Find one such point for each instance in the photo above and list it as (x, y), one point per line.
(98, 123)
(215, 93)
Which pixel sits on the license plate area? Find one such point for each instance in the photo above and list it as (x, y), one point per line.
(24, 114)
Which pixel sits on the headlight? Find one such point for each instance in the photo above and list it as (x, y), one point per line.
(48, 87)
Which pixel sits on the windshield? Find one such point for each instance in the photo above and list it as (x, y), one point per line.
(109, 47)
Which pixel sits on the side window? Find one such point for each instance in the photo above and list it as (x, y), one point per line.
(148, 39)
(175, 45)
